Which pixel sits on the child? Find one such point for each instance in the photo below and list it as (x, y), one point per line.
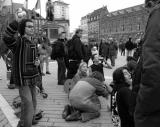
(98, 66)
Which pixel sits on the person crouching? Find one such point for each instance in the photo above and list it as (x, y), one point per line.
(84, 97)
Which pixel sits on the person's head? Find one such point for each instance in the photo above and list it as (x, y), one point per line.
(103, 40)
(94, 48)
(79, 32)
(62, 35)
(44, 33)
(110, 40)
(95, 58)
(130, 39)
(122, 76)
(131, 65)
(26, 27)
(97, 75)
(83, 69)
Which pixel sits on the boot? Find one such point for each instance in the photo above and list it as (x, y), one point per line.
(75, 116)
(66, 111)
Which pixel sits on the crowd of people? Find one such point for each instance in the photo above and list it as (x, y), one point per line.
(135, 85)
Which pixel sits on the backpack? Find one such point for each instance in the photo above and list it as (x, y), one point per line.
(70, 49)
(55, 50)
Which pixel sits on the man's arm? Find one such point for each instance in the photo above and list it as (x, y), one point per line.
(9, 34)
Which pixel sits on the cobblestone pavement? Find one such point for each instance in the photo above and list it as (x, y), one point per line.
(54, 104)
(3, 120)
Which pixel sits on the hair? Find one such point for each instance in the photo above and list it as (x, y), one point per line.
(118, 76)
(82, 64)
(60, 34)
(78, 30)
(22, 26)
(132, 65)
(97, 75)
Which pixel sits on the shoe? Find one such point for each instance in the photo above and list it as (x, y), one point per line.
(11, 86)
(75, 116)
(34, 121)
(44, 95)
(66, 111)
(47, 72)
(38, 116)
(43, 74)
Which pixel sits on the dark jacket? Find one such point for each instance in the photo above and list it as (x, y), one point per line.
(129, 45)
(24, 54)
(123, 105)
(147, 112)
(105, 49)
(60, 47)
(113, 49)
(87, 53)
(77, 48)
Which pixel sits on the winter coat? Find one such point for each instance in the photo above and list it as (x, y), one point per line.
(78, 53)
(113, 49)
(105, 49)
(24, 54)
(147, 112)
(85, 92)
(129, 45)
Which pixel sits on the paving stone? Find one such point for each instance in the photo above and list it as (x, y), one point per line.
(54, 104)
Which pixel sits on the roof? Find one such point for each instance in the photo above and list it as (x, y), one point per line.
(60, 2)
(127, 10)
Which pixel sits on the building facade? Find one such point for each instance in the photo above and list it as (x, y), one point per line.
(94, 24)
(84, 27)
(128, 22)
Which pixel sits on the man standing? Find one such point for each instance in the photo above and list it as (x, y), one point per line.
(147, 111)
(75, 54)
(129, 46)
(60, 57)
(45, 51)
(112, 51)
(25, 66)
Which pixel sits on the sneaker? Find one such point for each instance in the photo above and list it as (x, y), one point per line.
(43, 74)
(34, 121)
(44, 94)
(75, 116)
(11, 86)
(66, 111)
(47, 72)
(38, 116)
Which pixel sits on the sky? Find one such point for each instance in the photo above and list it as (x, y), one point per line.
(80, 8)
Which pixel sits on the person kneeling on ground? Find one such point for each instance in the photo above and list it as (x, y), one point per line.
(122, 87)
(83, 98)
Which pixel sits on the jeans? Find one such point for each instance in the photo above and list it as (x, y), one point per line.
(112, 58)
(28, 104)
(61, 70)
(44, 58)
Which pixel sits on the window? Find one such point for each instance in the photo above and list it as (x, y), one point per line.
(53, 33)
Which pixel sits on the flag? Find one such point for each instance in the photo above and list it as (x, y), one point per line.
(38, 5)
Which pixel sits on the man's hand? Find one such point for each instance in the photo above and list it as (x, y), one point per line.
(37, 62)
